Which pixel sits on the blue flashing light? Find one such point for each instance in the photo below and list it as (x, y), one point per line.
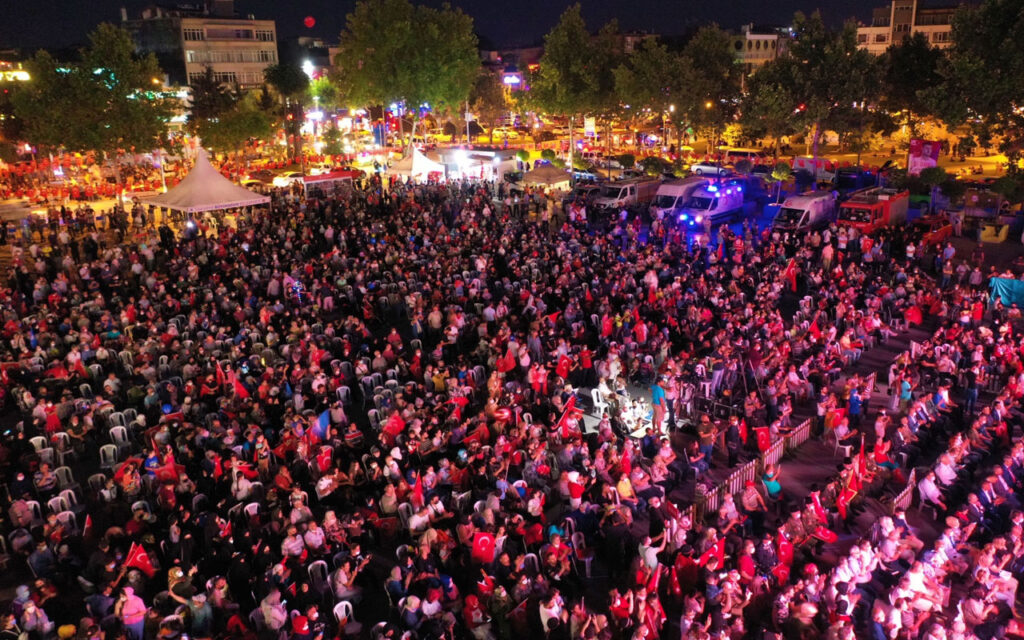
(739, 189)
(684, 217)
(713, 189)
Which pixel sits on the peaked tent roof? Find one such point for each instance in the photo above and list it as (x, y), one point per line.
(205, 189)
(415, 165)
(546, 175)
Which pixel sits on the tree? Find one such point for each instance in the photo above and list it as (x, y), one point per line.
(932, 178)
(332, 140)
(108, 102)
(487, 100)
(714, 96)
(829, 72)
(655, 79)
(770, 105)
(395, 52)
(626, 160)
(324, 93)
(908, 70)
(566, 81)
(210, 99)
(291, 84)
(982, 74)
(232, 130)
(781, 172)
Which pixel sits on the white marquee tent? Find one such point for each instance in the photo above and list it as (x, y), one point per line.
(205, 189)
(416, 165)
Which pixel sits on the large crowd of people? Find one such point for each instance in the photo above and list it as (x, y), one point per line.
(362, 415)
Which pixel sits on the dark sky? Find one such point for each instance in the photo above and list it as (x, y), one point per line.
(56, 23)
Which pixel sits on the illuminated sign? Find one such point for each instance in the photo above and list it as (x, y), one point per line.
(512, 79)
(17, 75)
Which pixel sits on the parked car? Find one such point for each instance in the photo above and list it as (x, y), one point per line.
(501, 133)
(263, 175)
(709, 169)
(288, 179)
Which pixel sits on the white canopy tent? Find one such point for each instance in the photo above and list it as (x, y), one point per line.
(548, 176)
(205, 189)
(416, 165)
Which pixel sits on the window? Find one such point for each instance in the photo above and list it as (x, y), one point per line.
(264, 35)
(190, 56)
(193, 34)
(195, 77)
(773, 44)
(862, 38)
(903, 28)
(225, 77)
(757, 45)
(750, 45)
(739, 45)
(881, 38)
(940, 36)
(266, 56)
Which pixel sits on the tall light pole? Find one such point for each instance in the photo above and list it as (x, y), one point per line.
(668, 140)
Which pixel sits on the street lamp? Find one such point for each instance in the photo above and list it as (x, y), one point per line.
(668, 139)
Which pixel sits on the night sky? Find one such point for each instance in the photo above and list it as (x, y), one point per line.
(57, 23)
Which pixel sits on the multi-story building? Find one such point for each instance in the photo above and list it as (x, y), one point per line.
(903, 18)
(754, 47)
(188, 38)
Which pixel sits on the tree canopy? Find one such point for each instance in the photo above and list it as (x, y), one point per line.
(394, 51)
(109, 101)
(983, 74)
(566, 82)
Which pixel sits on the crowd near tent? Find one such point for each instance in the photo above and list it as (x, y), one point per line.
(205, 189)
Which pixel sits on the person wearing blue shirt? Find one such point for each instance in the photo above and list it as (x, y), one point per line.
(658, 401)
(855, 407)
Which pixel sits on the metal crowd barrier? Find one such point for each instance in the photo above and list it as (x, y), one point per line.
(796, 437)
(905, 497)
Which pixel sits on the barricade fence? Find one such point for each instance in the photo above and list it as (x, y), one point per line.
(905, 497)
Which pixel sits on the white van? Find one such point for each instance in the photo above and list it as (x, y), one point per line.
(820, 168)
(625, 194)
(673, 196)
(733, 155)
(807, 211)
(715, 203)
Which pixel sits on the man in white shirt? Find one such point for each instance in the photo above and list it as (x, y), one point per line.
(930, 491)
(945, 470)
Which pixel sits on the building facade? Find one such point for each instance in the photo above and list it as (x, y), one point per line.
(189, 38)
(903, 18)
(754, 47)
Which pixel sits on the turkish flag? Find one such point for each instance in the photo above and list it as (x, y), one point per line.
(137, 558)
(764, 439)
(483, 548)
(717, 551)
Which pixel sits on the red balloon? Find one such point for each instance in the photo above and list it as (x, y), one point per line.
(309, 22)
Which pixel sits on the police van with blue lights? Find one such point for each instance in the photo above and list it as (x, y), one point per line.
(714, 203)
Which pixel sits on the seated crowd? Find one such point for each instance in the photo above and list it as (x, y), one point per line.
(361, 415)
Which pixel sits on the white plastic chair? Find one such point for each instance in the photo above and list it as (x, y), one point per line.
(600, 406)
(581, 552)
(108, 456)
(68, 519)
(65, 477)
(343, 611)
(57, 504)
(318, 577)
